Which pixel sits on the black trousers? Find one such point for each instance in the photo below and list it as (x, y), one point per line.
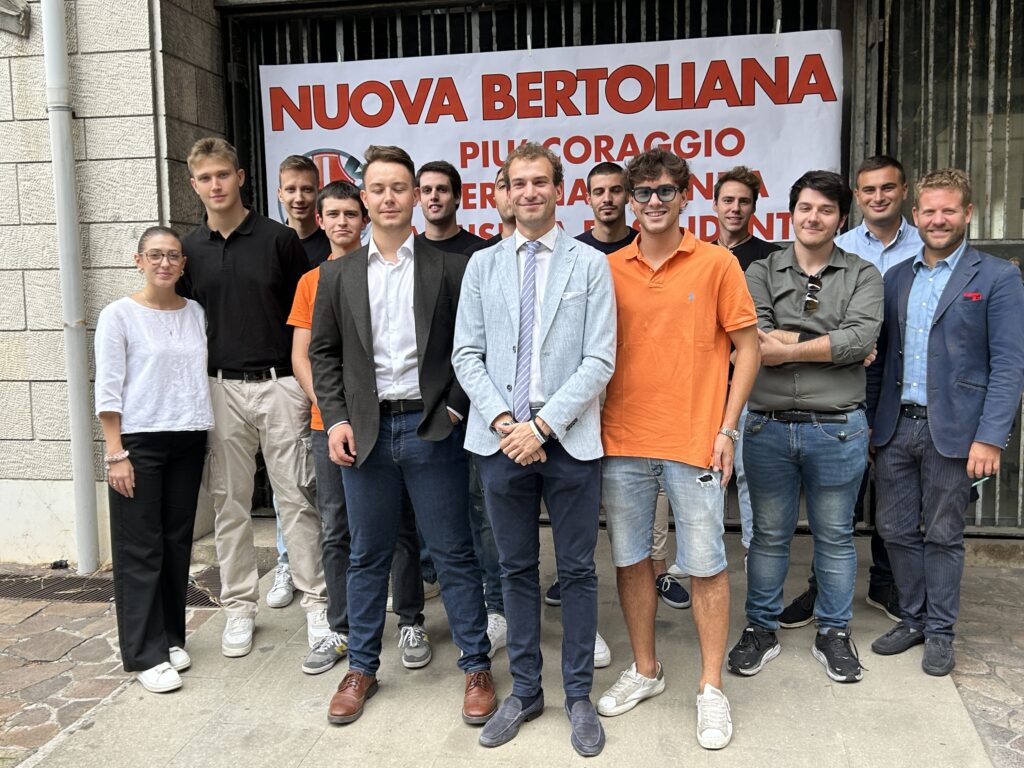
(151, 542)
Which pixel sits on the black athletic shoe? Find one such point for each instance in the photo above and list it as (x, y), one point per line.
(554, 594)
(886, 599)
(897, 640)
(800, 612)
(837, 652)
(938, 659)
(755, 648)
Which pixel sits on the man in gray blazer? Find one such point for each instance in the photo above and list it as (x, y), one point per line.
(534, 348)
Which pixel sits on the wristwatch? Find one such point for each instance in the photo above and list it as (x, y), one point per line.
(732, 434)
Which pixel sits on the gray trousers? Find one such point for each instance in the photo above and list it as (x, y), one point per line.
(922, 496)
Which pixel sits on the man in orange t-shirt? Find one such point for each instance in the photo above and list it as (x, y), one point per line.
(668, 425)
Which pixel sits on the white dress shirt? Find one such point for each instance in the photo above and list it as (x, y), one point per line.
(543, 258)
(393, 323)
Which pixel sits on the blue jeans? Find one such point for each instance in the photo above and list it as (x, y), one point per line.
(437, 478)
(828, 460)
(330, 501)
(742, 491)
(483, 541)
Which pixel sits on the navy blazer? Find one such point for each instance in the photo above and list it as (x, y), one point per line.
(975, 355)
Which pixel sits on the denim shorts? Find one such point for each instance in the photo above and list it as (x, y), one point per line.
(629, 491)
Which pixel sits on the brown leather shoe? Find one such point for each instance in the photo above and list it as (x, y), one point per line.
(479, 703)
(347, 702)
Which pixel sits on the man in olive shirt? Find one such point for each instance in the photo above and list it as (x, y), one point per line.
(819, 314)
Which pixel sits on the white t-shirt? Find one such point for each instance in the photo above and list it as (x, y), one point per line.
(151, 367)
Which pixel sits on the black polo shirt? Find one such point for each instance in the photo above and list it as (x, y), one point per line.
(464, 242)
(246, 284)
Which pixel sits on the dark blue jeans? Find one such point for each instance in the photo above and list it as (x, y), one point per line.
(571, 489)
(330, 501)
(483, 541)
(828, 460)
(436, 477)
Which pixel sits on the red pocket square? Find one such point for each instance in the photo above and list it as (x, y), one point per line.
(975, 296)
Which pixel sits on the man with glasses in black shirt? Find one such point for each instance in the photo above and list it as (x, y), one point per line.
(819, 314)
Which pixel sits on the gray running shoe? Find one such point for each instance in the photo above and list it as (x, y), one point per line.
(415, 645)
(326, 653)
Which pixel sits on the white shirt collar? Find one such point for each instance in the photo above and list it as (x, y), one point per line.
(405, 250)
(547, 239)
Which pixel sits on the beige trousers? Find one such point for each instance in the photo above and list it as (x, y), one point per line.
(275, 415)
(659, 546)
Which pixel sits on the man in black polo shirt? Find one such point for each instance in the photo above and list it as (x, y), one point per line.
(504, 208)
(606, 195)
(243, 269)
(440, 196)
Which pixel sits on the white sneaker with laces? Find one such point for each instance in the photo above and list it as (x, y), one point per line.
(414, 643)
(237, 638)
(159, 679)
(317, 627)
(283, 590)
(180, 660)
(629, 690)
(714, 718)
(497, 632)
(602, 653)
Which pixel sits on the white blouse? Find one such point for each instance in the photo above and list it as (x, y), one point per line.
(151, 367)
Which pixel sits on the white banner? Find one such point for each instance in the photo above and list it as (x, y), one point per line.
(770, 102)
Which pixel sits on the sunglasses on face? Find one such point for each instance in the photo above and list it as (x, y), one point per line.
(811, 300)
(666, 193)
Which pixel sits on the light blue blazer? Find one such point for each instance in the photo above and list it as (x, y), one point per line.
(577, 343)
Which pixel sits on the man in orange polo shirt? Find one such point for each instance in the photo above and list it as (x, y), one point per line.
(668, 425)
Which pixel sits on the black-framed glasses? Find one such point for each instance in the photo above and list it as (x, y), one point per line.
(811, 300)
(666, 193)
(155, 257)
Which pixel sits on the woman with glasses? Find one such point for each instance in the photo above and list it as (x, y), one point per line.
(153, 401)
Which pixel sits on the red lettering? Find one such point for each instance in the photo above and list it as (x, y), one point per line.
(359, 113)
(412, 108)
(301, 114)
(591, 78)
(812, 80)
(559, 86)
(718, 86)
(446, 102)
(729, 133)
(498, 103)
(576, 155)
(613, 91)
(628, 148)
(529, 94)
(320, 107)
(468, 150)
(658, 136)
(577, 192)
(763, 229)
(662, 101)
(751, 74)
(603, 144)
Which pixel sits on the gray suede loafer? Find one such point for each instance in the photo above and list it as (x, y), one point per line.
(587, 733)
(504, 724)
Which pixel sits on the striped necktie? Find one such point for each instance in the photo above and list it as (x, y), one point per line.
(524, 351)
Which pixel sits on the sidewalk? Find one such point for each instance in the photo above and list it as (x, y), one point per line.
(262, 711)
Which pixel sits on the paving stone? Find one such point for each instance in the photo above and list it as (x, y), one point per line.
(92, 626)
(10, 662)
(72, 711)
(31, 738)
(29, 675)
(33, 715)
(1017, 743)
(46, 647)
(199, 617)
(93, 650)
(98, 688)
(78, 610)
(11, 756)
(9, 706)
(1002, 757)
(15, 611)
(984, 708)
(45, 689)
(993, 688)
(89, 671)
(36, 625)
(967, 664)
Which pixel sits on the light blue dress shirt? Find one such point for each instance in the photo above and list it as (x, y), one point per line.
(859, 240)
(929, 282)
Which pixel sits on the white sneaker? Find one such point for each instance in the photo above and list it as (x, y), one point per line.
(497, 632)
(159, 679)
(180, 660)
(237, 638)
(283, 591)
(602, 653)
(317, 627)
(714, 719)
(629, 690)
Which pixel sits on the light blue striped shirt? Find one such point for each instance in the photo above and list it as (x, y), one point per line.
(859, 240)
(929, 282)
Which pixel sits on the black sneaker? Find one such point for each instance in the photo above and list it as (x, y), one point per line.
(800, 612)
(897, 640)
(554, 594)
(755, 648)
(837, 652)
(938, 659)
(886, 599)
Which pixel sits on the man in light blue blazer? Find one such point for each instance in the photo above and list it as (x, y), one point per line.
(534, 349)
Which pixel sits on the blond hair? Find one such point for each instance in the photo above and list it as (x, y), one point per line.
(211, 146)
(947, 178)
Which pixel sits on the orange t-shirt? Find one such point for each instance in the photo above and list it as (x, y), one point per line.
(666, 398)
(302, 317)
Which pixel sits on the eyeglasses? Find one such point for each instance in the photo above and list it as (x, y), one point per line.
(666, 193)
(155, 257)
(811, 300)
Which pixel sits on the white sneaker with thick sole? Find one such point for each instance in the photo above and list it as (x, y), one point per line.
(237, 638)
(283, 589)
(317, 627)
(602, 653)
(159, 679)
(629, 690)
(714, 718)
(497, 632)
(180, 660)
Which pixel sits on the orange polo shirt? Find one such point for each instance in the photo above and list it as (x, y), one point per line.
(302, 317)
(666, 398)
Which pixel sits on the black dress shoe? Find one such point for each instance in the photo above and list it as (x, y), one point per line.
(897, 640)
(938, 659)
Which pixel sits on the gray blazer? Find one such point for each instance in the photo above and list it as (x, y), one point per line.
(577, 342)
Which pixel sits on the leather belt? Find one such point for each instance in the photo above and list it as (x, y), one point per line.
(391, 407)
(911, 411)
(804, 417)
(265, 374)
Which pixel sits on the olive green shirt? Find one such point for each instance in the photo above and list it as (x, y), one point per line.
(849, 312)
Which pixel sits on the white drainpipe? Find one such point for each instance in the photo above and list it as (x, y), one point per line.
(58, 108)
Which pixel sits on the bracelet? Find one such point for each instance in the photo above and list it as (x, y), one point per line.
(536, 431)
(113, 458)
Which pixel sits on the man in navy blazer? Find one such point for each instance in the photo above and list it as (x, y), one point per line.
(942, 396)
